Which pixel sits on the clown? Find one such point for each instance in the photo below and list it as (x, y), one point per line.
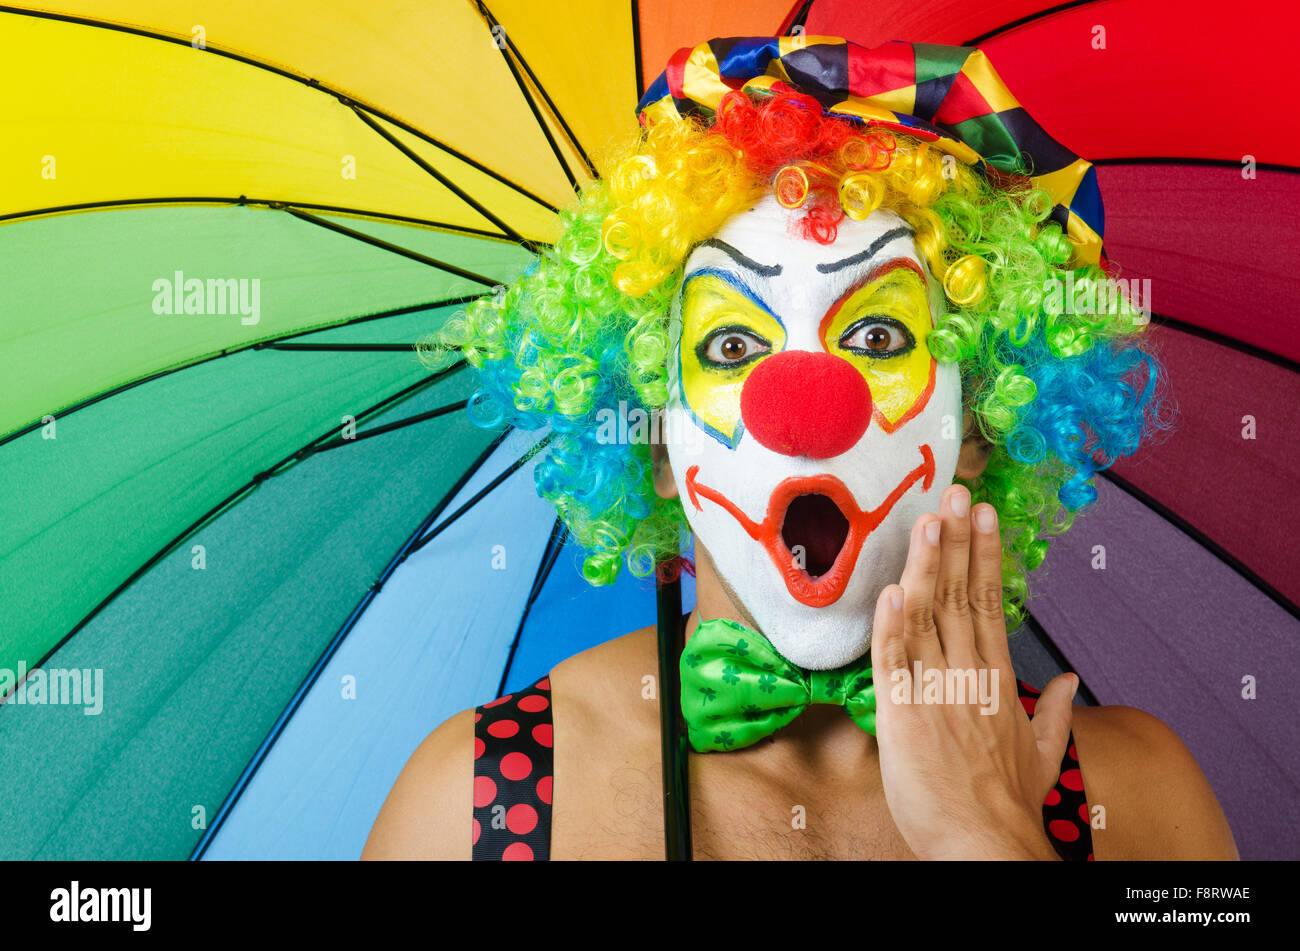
(830, 276)
(827, 415)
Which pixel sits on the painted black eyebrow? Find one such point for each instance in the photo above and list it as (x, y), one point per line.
(763, 270)
(870, 252)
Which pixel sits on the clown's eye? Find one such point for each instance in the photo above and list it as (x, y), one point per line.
(731, 346)
(877, 337)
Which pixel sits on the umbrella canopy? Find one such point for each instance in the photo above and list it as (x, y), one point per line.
(224, 227)
(281, 612)
(1175, 592)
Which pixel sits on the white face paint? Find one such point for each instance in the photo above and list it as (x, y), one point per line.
(827, 427)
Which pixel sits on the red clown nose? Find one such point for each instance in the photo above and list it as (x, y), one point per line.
(800, 403)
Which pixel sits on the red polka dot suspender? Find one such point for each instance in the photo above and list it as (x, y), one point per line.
(513, 765)
(1065, 810)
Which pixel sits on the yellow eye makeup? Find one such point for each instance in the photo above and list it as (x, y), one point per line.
(725, 334)
(880, 327)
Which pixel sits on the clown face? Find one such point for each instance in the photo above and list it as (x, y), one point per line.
(822, 426)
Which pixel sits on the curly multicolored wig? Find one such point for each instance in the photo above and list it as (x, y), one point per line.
(1057, 395)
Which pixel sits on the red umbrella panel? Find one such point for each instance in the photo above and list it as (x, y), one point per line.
(1176, 592)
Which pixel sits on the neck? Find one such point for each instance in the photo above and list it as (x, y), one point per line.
(820, 731)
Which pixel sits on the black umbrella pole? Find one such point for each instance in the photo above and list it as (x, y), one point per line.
(672, 730)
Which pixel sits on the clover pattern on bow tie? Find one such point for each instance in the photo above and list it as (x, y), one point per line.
(736, 688)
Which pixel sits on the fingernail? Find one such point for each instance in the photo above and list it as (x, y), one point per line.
(986, 519)
(896, 599)
(959, 503)
(932, 533)
(1075, 691)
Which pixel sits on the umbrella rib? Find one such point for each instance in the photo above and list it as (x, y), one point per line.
(259, 64)
(559, 116)
(1191, 160)
(1232, 343)
(274, 204)
(1039, 634)
(1030, 18)
(1204, 540)
(389, 246)
(532, 105)
(559, 533)
(481, 494)
(454, 153)
(382, 315)
(232, 798)
(397, 398)
(338, 347)
(260, 345)
(447, 183)
(800, 19)
(388, 427)
(280, 467)
(637, 65)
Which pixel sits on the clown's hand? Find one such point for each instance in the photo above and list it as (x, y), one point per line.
(964, 780)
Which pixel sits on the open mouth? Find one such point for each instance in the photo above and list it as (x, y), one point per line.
(814, 530)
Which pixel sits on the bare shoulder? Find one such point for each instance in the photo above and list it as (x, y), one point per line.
(429, 810)
(1156, 802)
(619, 676)
(608, 675)
(608, 786)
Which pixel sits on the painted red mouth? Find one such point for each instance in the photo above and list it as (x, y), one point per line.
(813, 530)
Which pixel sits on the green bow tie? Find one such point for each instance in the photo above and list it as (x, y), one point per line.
(736, 689)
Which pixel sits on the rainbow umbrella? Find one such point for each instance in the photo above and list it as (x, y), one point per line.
(224, 227)
(1177, 591)
(273, 530)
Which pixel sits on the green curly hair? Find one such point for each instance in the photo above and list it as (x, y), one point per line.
(1055, 394)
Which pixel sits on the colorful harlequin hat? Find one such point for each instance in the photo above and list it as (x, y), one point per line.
(948, 95)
